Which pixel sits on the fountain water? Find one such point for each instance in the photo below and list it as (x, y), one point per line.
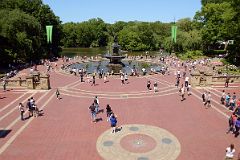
(115, 58)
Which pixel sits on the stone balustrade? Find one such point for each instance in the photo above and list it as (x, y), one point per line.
(33, 81)
(205, 78)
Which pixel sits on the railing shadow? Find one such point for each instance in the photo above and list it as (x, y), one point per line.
(4, 133)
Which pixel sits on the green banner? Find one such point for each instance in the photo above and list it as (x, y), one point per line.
(49, 33)
(174, 33)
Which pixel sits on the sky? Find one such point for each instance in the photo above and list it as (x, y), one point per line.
(112, 11)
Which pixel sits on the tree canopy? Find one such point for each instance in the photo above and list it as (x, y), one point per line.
(219, 22)
(23, 33)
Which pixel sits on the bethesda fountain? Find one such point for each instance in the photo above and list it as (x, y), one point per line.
(115, 58)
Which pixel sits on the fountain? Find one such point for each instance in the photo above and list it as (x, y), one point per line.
(115, 58)
(115, 62)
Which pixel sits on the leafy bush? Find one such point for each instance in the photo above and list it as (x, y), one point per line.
(191, 55)
(224, 61)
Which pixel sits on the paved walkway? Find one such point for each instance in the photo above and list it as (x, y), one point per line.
(154, 125)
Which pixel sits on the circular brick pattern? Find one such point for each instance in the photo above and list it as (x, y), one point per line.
(145, 143)
(138, 143)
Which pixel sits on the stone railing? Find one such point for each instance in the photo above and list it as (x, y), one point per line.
(17, 82)
(232, 79)
(204, 78)
(33, 81)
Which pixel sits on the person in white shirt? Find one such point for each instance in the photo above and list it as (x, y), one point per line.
(126, 78)
(122, 79)
(208, 100)
(223, 97)
(188, 89)
(230, 152)
(186, 81)
(21, 109)
(178, 74)
(182, 92)
(144, 71)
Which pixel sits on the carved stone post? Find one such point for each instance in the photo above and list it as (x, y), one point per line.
(195, 79)
(30, 82)
(208, 76)
(45, 82)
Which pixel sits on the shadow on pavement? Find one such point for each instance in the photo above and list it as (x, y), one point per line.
(4, 133)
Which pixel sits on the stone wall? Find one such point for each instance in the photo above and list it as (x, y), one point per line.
(223, 79)
(204, 78)
(33, 81)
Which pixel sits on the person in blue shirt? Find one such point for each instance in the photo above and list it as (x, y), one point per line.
(113, 121)
(237, 127)
(227, 99)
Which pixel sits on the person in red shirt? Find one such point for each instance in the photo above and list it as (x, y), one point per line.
(238, 103)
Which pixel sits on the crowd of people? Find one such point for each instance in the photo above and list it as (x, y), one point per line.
(182, 73)
(94, 109)
(31, 108)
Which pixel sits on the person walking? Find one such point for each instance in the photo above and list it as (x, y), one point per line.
(81, 76)
(96, 104)
(186, 81)
(93, 80)
(155, 87)
(21, 109)
(182, 92)
(126, 78)
(105, 78)
(231, 123)
(108, 111)
(208, 100)
(204, 95)
(230, 152)
(93, 113)
(148, 85)
(237, 127)
(223, 97)
(4, 85)
(227, 82)
(178, 81)
(57, 94)
(227, 99)
(29, 107)
(122, 79)
(188, 89)
(113, 121)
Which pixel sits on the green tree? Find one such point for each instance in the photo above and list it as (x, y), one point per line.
(217, 22)
(185, 24)
(21, 31)
(29, 39)
(205, 2)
